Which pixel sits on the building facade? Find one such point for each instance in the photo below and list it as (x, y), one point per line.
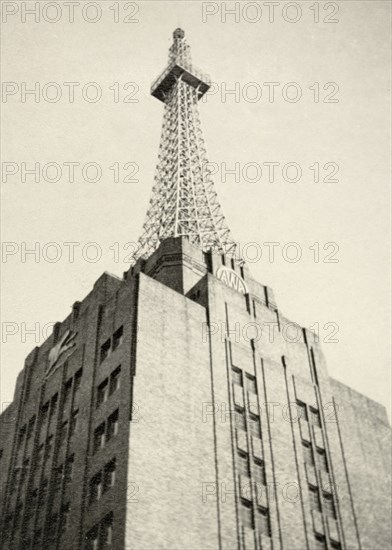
(178, 409)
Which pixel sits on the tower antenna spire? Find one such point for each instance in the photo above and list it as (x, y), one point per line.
(184, 201)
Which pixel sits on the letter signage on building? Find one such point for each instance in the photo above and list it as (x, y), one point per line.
(232, 279)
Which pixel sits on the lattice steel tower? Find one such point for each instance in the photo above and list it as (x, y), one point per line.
(184, 201)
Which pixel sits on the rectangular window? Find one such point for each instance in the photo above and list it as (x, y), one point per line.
(243, 463)
(115, 380)
(259, 472)
(321, 458)
(30, 428)
(246, 511)
(53, 409)
(99, 438)
(74, 423)
(25, 471)
(58, 478)
(105, 350)
(240, 419)
(15, 479)
(117, 338)
(302, 412)
(63, 433)
(77, 381)
(329, 506)
(320, 542)
(109, 475)
(336, 545)
(102, 392)
(21, 436)
(263, 522)
(314, 498)
(48, 449)
(67, 395)
(64, 517)
(93, 538)
(308, 453)
(106, 537)
(39, 457)
(237, 376)
(37, 540)
(95, 488)
(112, 427)
(68, 469)
(315, 417)
(251, 383)
(254, 425)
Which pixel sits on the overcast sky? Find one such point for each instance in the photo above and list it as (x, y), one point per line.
(351, 133)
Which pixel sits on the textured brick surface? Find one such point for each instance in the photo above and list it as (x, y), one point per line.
(178, 449)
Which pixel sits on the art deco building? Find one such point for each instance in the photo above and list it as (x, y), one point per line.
(157, 416)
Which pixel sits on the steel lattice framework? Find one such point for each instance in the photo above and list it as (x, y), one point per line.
(184, 201)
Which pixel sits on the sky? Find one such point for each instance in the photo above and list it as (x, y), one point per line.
(326, 127)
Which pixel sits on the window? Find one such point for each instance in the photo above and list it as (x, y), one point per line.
(15, 479)
(329, 506)
(320, 542)
(117, 338)
(100, 537)
(48, 449)
(109, 475)
(112, 427)
(64, 517)
(263, 522)
(259, 472)
(95, 488)
(39, 457)
(58, 478)
(237, 376)
(32, 500)
(254, 426)
(93, 538)
(53, 406)
(105, 350)
(243, 463)
(314, 498)
(25, 471)
(50, 533)
(21, 436)
(246, 512)
(67, 395)
(37, 540)
(63, 432)
(43, 491)
(99, 438)
(308, 453)
(335, 545)
(68, 469)
(302, 412)
(107, 532)
(78, 379)
(315, 417)
(18, 515)
(30, 428)
(251, 383)
(321, 458)
(115, 380)
(74, 423)
(102, 392)
(240, 419)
